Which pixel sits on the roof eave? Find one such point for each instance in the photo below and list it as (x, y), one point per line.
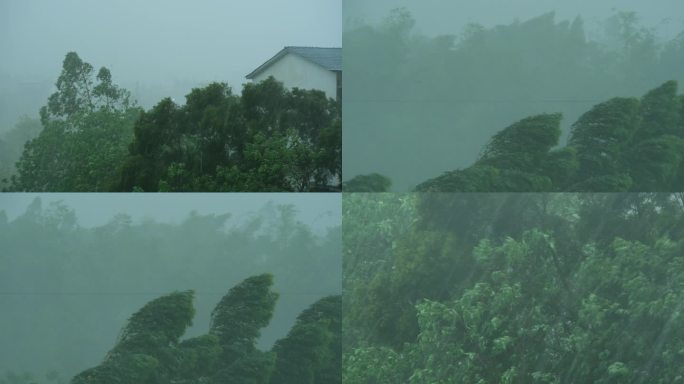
(277, 57)
(267, 63)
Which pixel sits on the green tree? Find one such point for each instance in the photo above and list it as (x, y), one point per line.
(373, 182)
(561, 288)
(661, 110)
(198, 358)
(78, 95)
(655, 163)
(146, 349)
(236, 321)
(12, 144)
(512, 161)
(601, 136)
(155, 142)
(267, 139)
(311, 352)
(369, 241)
(375, 365)
(86, 129)
(149, 349)
(523, 144)
(623, 144)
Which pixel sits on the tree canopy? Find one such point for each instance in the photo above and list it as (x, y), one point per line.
(149, 350)
(312, 351)
(621, 145)
(86, 126)
(267, 139)
(94, 138)
(513, 288)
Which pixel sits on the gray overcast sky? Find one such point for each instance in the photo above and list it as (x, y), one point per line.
(161, 40)
(154, 47)
(319, 210)
(435, 17)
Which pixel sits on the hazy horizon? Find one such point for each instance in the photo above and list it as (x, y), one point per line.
(155, 48)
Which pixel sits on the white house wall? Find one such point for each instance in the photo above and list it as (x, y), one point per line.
(294, 71)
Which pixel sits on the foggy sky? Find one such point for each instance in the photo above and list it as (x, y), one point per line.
(154, 48)
(317, 210)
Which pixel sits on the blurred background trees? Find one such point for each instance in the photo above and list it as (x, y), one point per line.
(417, 106)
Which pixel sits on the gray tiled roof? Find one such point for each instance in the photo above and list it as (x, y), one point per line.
(328, 58)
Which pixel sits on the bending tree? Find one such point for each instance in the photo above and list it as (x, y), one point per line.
(149, 349)
(623, 144)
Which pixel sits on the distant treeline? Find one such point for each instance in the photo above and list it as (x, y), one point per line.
(623, 144)
(94, 138)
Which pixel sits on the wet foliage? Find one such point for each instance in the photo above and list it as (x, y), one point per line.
(513, 288)
(621, 145)
(149, 349)
(94, 138)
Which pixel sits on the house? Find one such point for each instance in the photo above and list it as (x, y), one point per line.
(305, 68)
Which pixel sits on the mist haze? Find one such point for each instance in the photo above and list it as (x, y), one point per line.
(427, 85)
(435, 17)
(321, 212)
(75, 267)
(155, 49)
